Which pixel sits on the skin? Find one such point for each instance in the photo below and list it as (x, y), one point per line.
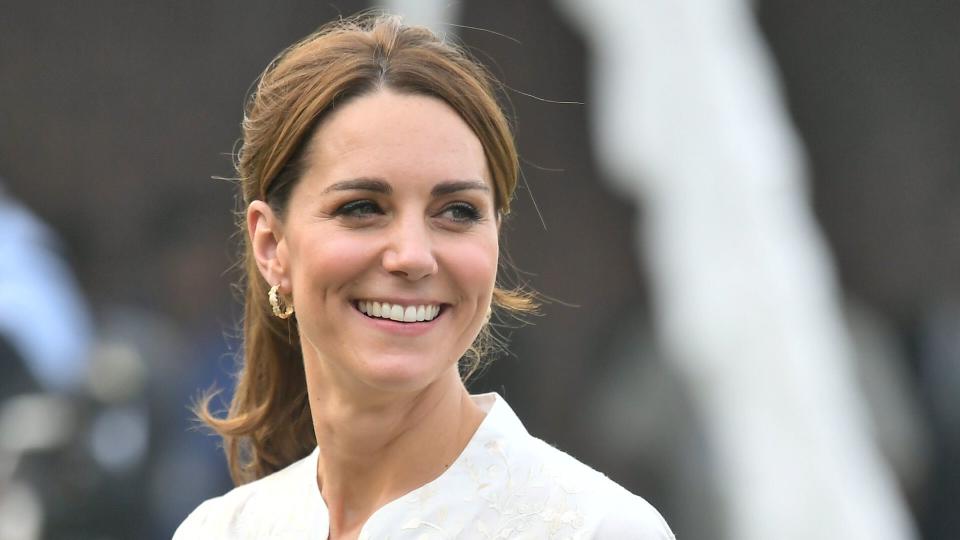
(396, 204)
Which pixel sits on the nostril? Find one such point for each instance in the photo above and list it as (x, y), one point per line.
(410, 263)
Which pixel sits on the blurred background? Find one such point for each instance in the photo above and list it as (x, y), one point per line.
(746, 214)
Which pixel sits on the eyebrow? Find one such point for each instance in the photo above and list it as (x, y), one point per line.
(378, 185)
(361, 184)
(453, 186)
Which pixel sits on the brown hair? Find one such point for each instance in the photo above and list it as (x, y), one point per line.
(268, 425)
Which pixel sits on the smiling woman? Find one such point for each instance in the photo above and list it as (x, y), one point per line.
(376, 168)
(376, 219)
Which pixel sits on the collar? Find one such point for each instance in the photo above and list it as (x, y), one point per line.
(486, 448)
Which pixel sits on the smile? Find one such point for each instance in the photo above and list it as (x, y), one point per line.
(397, 312)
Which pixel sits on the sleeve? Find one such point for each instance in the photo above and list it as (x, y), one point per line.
(633, 518)
(200, 524)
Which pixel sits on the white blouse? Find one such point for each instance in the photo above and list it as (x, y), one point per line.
(506, 484)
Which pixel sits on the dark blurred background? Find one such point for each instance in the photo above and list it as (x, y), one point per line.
(117, 125)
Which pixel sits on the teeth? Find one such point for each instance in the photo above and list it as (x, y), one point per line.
(399, 313)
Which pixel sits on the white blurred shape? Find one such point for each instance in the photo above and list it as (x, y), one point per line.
(118, 438)
(117, 372)
(32, 422)
(689, 122)
(21, 513)
(42, 310)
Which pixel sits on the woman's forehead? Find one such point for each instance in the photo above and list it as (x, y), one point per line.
(390, 136)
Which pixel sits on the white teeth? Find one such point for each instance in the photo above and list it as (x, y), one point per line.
(397, 312)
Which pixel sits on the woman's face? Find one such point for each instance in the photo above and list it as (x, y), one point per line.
(392, 219)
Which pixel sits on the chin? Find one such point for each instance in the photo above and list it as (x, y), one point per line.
(405, 374)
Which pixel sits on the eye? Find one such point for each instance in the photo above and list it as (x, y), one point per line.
(461, 212)
(359, 209)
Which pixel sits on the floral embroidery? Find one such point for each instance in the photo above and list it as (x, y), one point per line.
(512, 498)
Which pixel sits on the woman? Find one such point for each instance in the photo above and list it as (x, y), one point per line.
(376, 167)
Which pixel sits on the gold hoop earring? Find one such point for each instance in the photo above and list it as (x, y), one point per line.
(280, 308)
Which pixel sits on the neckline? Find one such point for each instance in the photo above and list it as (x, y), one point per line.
(498, 420)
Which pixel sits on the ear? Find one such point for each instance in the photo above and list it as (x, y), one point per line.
(265, 231)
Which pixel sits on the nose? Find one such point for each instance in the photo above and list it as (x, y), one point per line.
(409, 252)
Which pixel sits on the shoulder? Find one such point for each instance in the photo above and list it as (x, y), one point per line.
(528, 485)
(605, 509)
(256, 509)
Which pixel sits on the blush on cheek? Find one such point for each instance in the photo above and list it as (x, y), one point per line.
(324, 265)
(335, 256)
(473, 266)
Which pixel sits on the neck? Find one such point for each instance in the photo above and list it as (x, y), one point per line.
(377, 449)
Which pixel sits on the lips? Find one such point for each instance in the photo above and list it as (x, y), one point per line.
(399, 312)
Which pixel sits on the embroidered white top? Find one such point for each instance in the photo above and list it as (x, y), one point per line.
(506, 484)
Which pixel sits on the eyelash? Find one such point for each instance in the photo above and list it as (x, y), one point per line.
(472, 214)
(365, 208)
(352, 209)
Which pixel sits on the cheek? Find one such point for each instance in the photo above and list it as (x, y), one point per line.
(473, 265)
(330, 262)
